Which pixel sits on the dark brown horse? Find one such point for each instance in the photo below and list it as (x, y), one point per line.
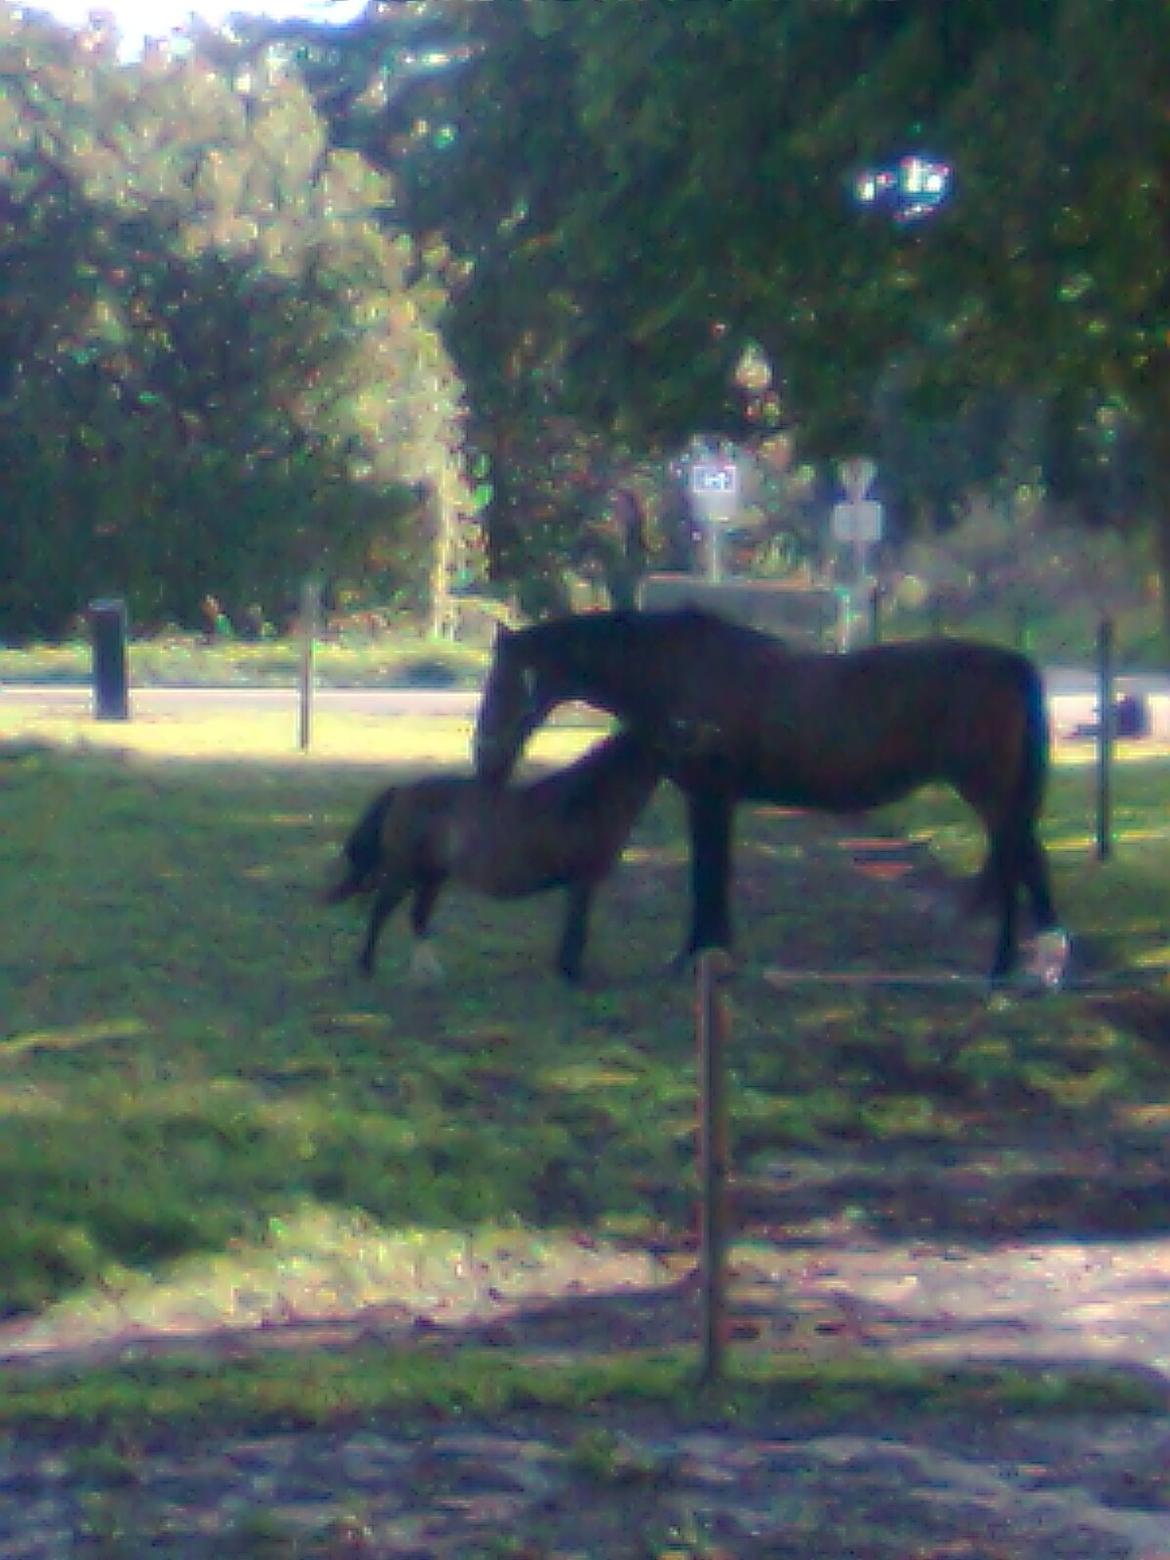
(567, 830)
(739, 715)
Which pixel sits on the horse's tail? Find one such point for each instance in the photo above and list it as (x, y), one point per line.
(363, 851)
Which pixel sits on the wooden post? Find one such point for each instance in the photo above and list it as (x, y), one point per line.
(310, 605)
(1104, 737)
(710, 1036)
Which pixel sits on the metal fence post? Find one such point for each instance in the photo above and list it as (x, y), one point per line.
(1105, 721)
(108, 633)
(310, 607)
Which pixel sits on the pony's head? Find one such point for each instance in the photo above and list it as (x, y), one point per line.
(520, 691)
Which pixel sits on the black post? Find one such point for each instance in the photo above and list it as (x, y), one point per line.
(1105, 720)
(875, 615)
(107, 627)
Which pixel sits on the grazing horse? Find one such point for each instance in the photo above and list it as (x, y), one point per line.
(739, 715)
(567, 830)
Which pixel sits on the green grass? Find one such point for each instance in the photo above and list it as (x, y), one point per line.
(1054, 635)
(404, 660)
(208, 1118)
(1118, 905)
(321, 1391)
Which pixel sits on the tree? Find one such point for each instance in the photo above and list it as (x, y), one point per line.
(219, 367)
(634, 190)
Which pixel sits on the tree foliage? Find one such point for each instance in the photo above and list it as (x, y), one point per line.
(608, 205)
(637, 190)
(219, 366)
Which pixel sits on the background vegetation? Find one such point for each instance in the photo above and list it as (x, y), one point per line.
(401, 303)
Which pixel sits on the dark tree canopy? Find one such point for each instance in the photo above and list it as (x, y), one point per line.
(610, 203)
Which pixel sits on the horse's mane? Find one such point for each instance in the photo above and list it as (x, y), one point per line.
(624, 625)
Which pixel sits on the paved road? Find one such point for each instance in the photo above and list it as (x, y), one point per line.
(62, 701)
(1071, 691)
(1072, 698)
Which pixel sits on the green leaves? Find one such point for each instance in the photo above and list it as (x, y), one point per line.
(218, 359)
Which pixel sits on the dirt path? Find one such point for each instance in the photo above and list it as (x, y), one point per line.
(946, 1257)
(624, 1485)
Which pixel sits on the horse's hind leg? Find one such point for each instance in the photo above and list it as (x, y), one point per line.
(1016, 861)
(386, 901)
(1049, 960)
(1034, 872)
(578, 900)
(1001, 875)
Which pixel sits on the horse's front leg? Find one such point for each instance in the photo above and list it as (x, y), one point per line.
(712, 815)
(425, 964)
(578, 899)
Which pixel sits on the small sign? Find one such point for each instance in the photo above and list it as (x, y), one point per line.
(708, 477)
(860, 520)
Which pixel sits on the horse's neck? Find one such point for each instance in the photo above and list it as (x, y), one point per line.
(609, 672)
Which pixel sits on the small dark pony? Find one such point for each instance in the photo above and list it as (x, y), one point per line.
(739, 715)
(567, 829)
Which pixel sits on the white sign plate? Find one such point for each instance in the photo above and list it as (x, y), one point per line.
(710, 477)
(858, 521)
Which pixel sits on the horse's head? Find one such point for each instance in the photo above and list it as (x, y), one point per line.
(523, 685)
(518, 695)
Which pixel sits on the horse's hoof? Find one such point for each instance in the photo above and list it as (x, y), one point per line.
(1049, 958)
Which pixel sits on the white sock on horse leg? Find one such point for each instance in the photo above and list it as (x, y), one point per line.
(425, 965)
(1049, 956)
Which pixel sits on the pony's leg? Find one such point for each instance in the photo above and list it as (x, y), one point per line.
(385, 903)
(711, 818)
(424, 961)
(578, 899)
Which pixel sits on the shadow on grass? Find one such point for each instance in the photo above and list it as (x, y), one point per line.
(186, 1057)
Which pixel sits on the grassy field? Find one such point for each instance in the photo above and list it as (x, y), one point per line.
(208, 1117)
(411, 659)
